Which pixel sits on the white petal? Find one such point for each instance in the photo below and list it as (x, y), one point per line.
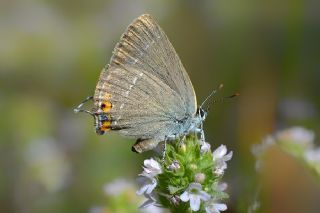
(313, 155)
(228, 156)
(220, 206)
(148, 165)
(152, 167)
(205, 147)
(151, 186)
(196, 186)
(142, 189)
(211, 209)
(219, 152)
(222, 186)
(147, 162)
(216, 207)
(208, 210)
(151, 163)
(297, 135)
(147, 203)
(204, 195)
(185, 196)
(194, 202)
(222, 165)
(144, 177)
(155, 164)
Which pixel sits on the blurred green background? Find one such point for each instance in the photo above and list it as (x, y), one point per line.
(51, 54)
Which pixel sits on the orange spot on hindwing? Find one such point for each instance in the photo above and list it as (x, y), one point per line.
(105, 125)
(105, 106)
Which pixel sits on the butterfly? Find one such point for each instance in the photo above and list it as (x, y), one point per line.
(145, 92)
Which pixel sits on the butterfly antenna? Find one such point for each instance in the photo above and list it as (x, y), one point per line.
(211, 94)
(222, 99)
(79, 108)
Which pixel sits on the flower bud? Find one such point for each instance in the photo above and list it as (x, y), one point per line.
(182, 148)
(199, 177)
(174, 166)
(193, 166)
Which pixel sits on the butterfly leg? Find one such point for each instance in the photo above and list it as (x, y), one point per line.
(183, 139)
(202, 135)
(202, 139)
(170, 137)
(79, 108)
(165, 148)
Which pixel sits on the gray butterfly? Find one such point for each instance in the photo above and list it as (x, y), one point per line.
(145, 92)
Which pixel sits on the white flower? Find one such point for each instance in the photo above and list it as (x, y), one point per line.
(213, 207)
(297, 135)
(219, 186)
(195, 194)
(148, 184)
(147, 178)
(312, 155)
(220, 157)
(152, 167)
(259, 149)
(117, 187)
(205, 147)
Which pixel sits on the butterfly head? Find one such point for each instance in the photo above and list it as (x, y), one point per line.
(202, 114)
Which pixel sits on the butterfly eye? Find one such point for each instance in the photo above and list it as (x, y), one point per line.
(202, 113)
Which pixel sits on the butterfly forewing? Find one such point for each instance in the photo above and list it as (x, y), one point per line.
(146, 83)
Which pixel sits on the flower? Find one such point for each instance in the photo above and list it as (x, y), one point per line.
(184, 179)
(48, 163)
(199, 177)
(205, 147)
(297, 135)
(220, 187)
(151, 167)
(195, 194)
(213, 207)
(117, 187)
(259, 149)
(313, 155)
(148, 184)
(220, 157)
(174, 166)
